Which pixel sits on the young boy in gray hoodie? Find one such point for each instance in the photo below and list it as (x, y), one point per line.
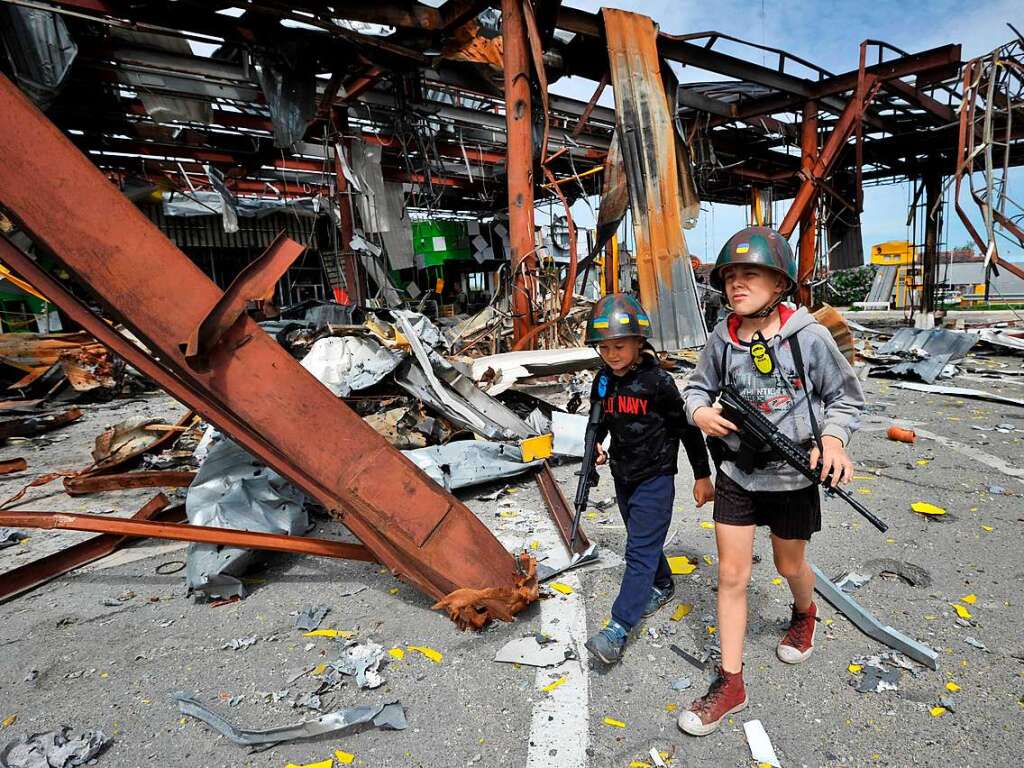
(787, 365)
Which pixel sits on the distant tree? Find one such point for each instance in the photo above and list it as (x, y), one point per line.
(850, 285)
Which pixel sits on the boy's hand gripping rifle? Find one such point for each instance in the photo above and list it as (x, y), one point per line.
(758, 433)
(588, 472)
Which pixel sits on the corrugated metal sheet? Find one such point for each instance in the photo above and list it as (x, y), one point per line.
(881, 287)
(940, 346)
(646, 134)
(253, 232)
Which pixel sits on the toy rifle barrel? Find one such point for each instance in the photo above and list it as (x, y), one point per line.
(766, 433)
(587, 467)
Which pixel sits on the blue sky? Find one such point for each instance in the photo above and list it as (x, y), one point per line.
(828, 34)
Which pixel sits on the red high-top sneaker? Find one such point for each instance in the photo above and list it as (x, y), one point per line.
(798, 644)
(725, 696)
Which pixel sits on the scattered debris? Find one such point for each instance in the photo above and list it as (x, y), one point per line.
(430, 653)
(11, 537)
(310, 618)
(761, 749)
(926, 508)
(239, 643)
(901, 435)
(385, 716)
(975, 643)
(531, 652)
(973, 394)
(361, 660)
(10, 466)
(681, 684)
(852, 581)
(61, 748)
(692, 659)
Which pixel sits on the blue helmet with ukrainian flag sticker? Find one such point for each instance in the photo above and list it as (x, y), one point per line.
(761, 246)
(616, 316)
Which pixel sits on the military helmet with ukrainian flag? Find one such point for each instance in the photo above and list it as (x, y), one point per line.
(762, 246)
(616, 316)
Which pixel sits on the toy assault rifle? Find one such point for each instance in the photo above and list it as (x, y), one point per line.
(757, 433)
(588, 473)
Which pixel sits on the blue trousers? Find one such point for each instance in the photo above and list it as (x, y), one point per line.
(646, 510)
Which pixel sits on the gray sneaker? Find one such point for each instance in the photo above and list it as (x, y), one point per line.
(659, 599)
(608, 644)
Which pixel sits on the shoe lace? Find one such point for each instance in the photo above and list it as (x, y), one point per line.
(707, 702)
(799, 629)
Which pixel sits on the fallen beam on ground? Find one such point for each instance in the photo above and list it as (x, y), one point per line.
(254, 391)
(972, 394)
(27, 426)
(148, 529)
(561, 512)
(156, 478)
(38, 572)
(9, 466)
(869, 625)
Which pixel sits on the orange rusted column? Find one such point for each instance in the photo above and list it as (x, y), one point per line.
(519, 165)
(809, 221)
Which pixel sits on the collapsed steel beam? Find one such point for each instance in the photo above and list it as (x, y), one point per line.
(254, 390)
(149, 529)
(31, 575)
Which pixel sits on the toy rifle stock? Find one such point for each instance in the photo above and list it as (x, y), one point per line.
(758, 433)
(588, 471)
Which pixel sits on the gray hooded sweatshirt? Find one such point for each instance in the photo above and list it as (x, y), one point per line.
(832, 386)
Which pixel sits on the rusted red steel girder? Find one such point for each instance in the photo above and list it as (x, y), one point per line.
(150, 529)
(841, 132)
(519, 166)
(809, 223)
(253, 390)
(152, 478)
(31, 575)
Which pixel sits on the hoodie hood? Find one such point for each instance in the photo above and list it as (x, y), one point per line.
(797, 321)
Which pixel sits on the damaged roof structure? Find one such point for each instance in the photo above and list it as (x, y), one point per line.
(254, 209)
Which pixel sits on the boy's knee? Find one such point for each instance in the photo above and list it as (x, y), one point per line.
(733, 576)
(789, 568)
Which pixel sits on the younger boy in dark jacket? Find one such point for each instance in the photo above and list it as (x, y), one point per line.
(644, 413)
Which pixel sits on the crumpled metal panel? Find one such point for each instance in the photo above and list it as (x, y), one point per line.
(39, 48)
(470, 462)
(233, 490)
(253, 388)
(646, 134)
(942, 347)
(347, 363)
(290, 91)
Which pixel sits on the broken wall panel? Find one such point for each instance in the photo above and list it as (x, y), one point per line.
(646, 133)
(253, 389)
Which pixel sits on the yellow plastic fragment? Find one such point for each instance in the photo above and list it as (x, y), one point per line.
(962, 612)
(712, 629)
(987, 528)
(343, 758)
(342, 633)
(969, 599)
(613, 722)
(396, 653)
(924, 508)
(671, 707)
(682, 611)
(890, 541)
(707, 524)
(507, 513)
(551, 686)
(923, 462)
(534, 544)
(853, 669)
(319, 670)
(558, 586)
(393, 591)
(952, 687)
(777, 581)
(864, 491)
(430, 653)
(639, 764)
(937, 711)
(8, 721)
(681, 565)
(328, 763)
(708, 560)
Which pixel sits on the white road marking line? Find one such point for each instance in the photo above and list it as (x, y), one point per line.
(560, 726)
(969, 450)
